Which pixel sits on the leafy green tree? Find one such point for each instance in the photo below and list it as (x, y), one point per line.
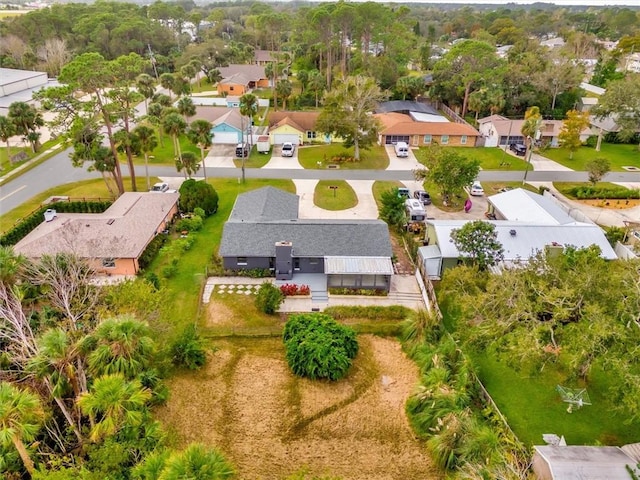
(347, 112)
(468, 65)
(146, 86)
(598, 168)
(196, 462)
(114, 403)
(214, 76)
(7, 130)
(21, 416)
(392, 209)
(622, 100)
(478, 241)
(269, 298)
(531, 127)
(198, 194)
(187, 163)
(200, 134)
(449, 170)
(572, 128)
(147, 142)
(319, 347)
(26, 120)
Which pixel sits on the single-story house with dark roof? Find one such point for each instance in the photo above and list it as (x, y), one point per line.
(240, 79)
(111, 241)
(263, 57)
(422, 129)
(264, 232)
(295, 127)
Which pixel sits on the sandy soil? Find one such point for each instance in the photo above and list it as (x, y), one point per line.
(612, 204)
(271, 424)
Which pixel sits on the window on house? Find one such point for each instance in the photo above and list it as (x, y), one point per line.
(427, 139)
(311, 135)
(463, 140)
(109, 262)
(296, 264)
(313, 261)
(242, 261)
(444, 139)
(231, 88)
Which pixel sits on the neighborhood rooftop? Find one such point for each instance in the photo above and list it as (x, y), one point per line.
(121, 231)
(522, 205)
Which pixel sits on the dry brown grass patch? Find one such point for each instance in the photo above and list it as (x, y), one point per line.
(271, 424)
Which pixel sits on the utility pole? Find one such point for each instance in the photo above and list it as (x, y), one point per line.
(153, 61)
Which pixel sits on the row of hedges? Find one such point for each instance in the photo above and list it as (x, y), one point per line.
(393, 312)
(596, 193)
(28, 224)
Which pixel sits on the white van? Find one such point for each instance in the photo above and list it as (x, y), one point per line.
(402, 149)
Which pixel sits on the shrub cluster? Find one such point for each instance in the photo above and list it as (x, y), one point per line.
(584, 193)
(367, 292)
(269, 298)
(198, 195)
(189, 224)
(152, 250)
(393, 312)
(291, 289)
(188, 350)
(343, 158)
(25, 226)
(319, 347)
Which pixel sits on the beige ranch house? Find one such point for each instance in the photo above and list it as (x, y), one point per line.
(112, 241)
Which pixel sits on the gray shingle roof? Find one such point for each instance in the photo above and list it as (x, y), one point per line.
(310, 238)
(405, 106)
(265, 204)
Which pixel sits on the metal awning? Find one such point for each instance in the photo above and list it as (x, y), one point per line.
(358, 265)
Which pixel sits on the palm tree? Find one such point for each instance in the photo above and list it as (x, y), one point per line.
(284, 89)
(7, 130)
(317, 83)
(147, 87)
(167, 80)
(187, 163)
(197, 462)
(26, 119)
(196, 64)
(214, 76)
(186, 107)
(173, 124)
(114, 403)
(123, 346)
(20, 418)
(248, 108)
(147, 142)
(200, 134)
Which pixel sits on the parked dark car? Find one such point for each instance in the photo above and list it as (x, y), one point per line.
(423, 196)
(518, 148)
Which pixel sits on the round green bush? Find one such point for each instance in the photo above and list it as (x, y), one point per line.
(319, 347)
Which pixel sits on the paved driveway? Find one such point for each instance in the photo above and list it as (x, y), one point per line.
(220, 155)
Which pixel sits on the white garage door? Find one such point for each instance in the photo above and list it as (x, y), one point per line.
(280, 138)
(225, 137)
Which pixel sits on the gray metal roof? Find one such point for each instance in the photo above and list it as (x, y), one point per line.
(358, 265)
(265, 204)
(310, 238)
(529, 238)
(586, 462)
(523, 205)
(405, 106)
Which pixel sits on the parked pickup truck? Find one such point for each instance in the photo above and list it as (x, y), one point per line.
(287, 149)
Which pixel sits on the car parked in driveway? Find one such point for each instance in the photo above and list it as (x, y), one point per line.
(287, 149)
(518, 148)
(423, 196)
(476, 189)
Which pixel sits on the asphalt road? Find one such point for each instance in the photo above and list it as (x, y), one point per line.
(58, 171)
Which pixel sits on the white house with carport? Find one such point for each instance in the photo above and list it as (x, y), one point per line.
(526, 223)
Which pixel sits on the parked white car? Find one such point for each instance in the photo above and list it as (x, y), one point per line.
(476, 189)
(160, 187)
(287, 149)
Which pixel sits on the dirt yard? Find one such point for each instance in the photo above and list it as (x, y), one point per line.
(271, 424)
(613, 204)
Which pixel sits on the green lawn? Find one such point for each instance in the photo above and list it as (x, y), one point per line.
(533, 407)
(380, 186)
(619, 156)
(163, 154)
(564, 187)
(491, 158)
(339, 198)
(183, 289)
(319, 156)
